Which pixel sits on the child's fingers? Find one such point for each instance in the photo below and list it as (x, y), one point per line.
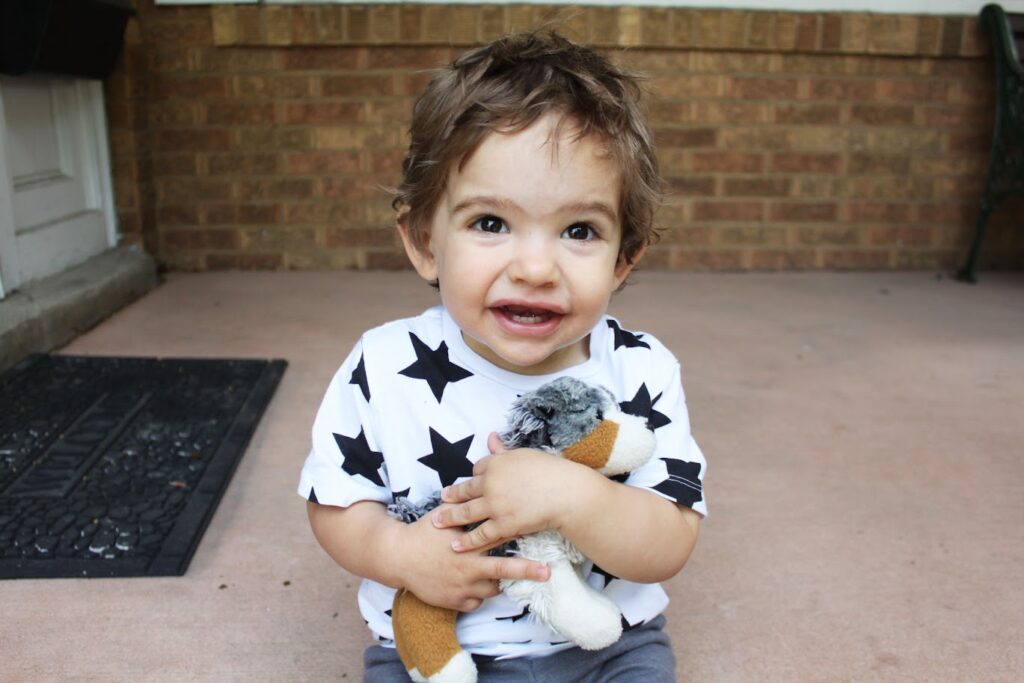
(463, 491)
(494, 443)
(487, 535)
(474, 510)
(516, 568)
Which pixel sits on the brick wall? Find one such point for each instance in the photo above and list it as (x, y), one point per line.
(260, 136)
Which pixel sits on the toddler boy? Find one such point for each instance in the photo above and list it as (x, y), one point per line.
(528, 196)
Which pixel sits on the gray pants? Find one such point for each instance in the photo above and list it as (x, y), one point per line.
(643, 654)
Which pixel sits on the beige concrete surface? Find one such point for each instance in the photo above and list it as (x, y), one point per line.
(866, 485)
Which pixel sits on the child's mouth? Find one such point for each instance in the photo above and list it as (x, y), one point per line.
(526, 316)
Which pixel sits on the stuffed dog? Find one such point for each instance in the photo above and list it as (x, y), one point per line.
(573, 420)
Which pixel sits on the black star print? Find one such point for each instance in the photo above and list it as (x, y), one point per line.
(626, 338)
(608, 577)
(449, 458)
(312, 496)
(683, 482)
(626, 626)
(433, 366)
(359, 377)
(360, 458)
(641, 405)
(515, 617)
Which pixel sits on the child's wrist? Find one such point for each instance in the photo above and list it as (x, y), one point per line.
(390, 543)
(584, 497)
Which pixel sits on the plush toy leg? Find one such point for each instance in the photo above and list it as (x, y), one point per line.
(426, 642)
(573, 608)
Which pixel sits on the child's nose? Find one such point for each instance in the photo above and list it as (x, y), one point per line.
(534, 261)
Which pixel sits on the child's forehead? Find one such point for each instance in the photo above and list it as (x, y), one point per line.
(552, 139)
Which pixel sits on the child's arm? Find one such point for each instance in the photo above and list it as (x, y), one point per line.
(629, 532)
(367, 542)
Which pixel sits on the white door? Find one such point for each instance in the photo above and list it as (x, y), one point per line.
(56, 207)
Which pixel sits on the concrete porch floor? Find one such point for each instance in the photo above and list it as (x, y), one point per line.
(866, 484)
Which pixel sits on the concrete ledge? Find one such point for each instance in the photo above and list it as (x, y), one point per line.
(51, 312)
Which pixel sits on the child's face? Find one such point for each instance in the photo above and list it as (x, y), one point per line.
(524, 243)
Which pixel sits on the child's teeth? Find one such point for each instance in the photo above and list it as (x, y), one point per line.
(527, 317)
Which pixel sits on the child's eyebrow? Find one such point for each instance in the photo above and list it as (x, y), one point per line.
(502, 204)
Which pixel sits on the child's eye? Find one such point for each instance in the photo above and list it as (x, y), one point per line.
(579, 231)
(490, 224)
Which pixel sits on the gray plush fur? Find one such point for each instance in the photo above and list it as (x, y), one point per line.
(556, 415)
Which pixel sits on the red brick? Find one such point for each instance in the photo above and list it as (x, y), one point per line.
(737, 162)
(756, 187)
(344, 162)
(193, 139)
(706, 259)
(242, 164)
(324, 58)
(323, 112)
(881, 115)
(807, 163)
(834, 89)
(691, 186)
(916, 91)
(190, 87)
(728, 211)
(231, 114)
(281, 188)
(820, 211)
(804, 113)
(359, 85)
(879, 163)
(855, 259)
(178, 215)
(783, 259)
(900, 236)
(201, 239)
(763, 88)
(878, 212)
(408, 58)
(243, 261)
(360, 237)
(685, 137)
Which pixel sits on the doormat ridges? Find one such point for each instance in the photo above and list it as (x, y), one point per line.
(114, 466)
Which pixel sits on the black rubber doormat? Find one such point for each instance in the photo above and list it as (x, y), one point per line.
(114, 466)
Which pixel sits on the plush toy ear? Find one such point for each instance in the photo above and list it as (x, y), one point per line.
(528, 425)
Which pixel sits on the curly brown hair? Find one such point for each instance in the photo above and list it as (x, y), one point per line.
(507, 85)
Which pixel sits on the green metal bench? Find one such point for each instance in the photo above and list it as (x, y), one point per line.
(1006, 161)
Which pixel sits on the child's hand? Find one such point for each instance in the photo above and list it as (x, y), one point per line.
(517, 492)
(461, 581)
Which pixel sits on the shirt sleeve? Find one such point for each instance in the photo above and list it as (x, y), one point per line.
(676, 470)
(345, 464)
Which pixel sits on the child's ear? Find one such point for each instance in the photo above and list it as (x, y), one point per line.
(422, 258)
(623, 268)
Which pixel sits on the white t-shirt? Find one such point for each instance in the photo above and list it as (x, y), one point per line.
(410, 410)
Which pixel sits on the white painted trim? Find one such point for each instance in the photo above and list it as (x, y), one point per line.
(965, 7)
(101, 183)
(10, 272)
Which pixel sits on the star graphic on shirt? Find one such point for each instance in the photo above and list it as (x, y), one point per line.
(516, 617)
(642, 405)
(626, 338)
(359, 458)
(359, 377)
(312, 495)
(433, 366)
(682, 483)
(606, 576)
(449, 458)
